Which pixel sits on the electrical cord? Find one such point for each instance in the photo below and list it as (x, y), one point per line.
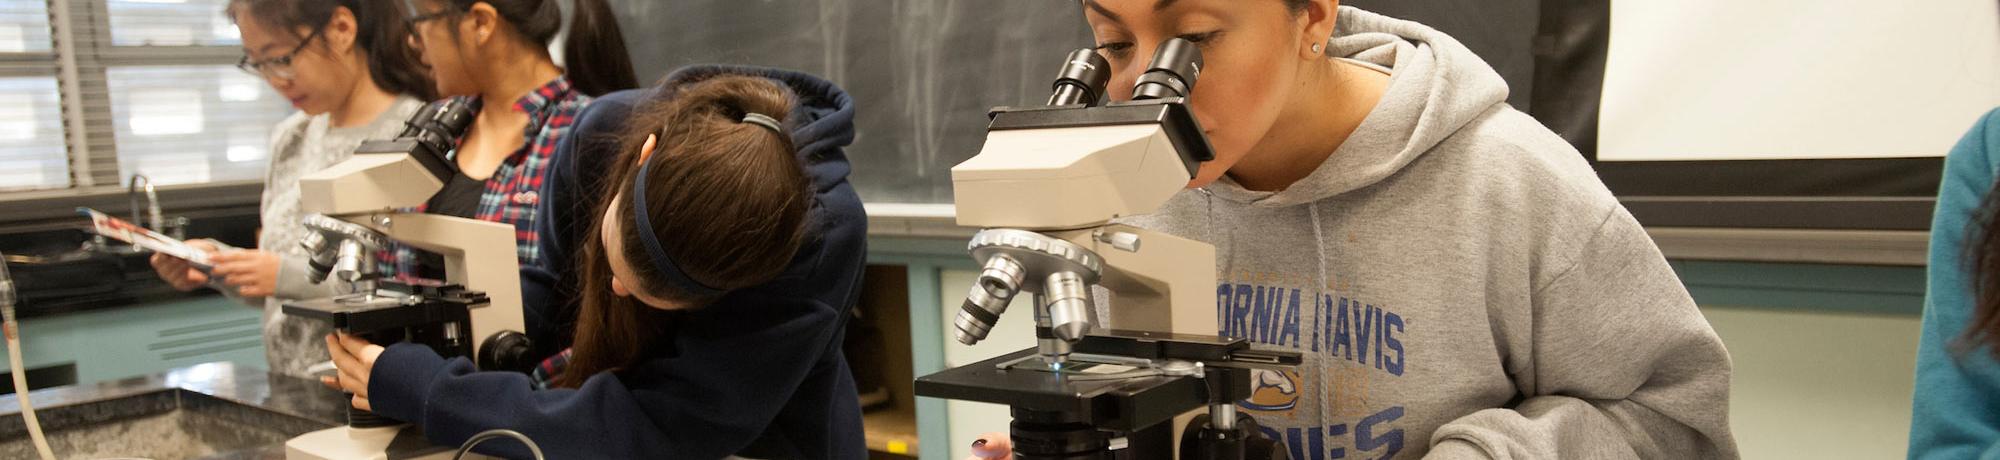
(488, 435)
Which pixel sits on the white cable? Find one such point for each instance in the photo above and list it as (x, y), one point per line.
(12, 329)
(487, 435)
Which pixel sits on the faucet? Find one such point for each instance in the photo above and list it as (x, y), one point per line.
(6, 289)
(153, 219)
(176, 227)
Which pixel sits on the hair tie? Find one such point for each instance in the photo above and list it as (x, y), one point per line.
(763, 120)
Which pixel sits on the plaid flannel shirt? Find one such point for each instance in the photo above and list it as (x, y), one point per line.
(514, 190)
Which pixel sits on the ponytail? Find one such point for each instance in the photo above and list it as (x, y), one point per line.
(594, 53)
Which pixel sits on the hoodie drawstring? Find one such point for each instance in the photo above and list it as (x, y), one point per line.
(1317, 369)
(1228, 258)
(1319, 366)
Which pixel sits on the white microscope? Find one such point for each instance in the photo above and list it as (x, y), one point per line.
(1045, 189)
(357, 209)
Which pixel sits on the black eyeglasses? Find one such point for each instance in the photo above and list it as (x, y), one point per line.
(413, 17)
(415, 20)
(278, 67)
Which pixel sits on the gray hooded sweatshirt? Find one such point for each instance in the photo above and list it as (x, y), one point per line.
(1461, 284)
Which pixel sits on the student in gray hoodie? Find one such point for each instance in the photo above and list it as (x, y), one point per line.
(1461, 283)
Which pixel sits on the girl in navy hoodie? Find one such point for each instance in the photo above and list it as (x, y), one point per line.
(719, 254)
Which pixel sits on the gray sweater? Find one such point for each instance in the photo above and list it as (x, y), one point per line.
(1461, 283)
(300, 145)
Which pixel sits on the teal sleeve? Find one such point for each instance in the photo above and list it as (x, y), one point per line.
(1953, 410)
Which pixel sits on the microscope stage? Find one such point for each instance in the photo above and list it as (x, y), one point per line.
(395, 307)
(1125, 404)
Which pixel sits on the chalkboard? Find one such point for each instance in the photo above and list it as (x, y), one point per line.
(924, 72)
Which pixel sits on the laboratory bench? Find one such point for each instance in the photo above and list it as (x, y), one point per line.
(917, 276)
(206, 411)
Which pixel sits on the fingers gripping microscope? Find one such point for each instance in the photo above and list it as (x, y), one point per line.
(357, 207)
(1045, 188)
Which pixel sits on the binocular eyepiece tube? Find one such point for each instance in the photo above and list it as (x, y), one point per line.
(1176, 65)
(1082, 79)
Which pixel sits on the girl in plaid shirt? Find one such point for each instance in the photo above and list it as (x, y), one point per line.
(497, 52)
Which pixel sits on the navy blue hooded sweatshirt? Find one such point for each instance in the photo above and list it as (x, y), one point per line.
(758, 374)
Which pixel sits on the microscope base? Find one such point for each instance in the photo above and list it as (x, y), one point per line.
(345, 443)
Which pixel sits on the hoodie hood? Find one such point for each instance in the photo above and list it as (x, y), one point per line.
(821, 124)
(1437, 86)
(798, 401)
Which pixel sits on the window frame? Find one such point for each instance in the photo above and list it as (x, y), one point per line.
(85, 48)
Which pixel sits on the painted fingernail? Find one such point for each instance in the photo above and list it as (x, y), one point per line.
(979, 443)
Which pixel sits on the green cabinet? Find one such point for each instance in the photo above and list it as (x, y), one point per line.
(147, 338)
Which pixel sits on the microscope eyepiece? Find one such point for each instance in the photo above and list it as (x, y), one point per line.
(453, 117)
(1176, 66)
(1082, 78)
(414, 125)
(428, 136)
(438, 125)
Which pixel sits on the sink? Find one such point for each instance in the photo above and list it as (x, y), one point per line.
(57, 271)
(170, 424)
(210, 411)
(58, 264)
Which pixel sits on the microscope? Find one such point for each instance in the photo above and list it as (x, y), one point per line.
(359, 206)
(1045, 189)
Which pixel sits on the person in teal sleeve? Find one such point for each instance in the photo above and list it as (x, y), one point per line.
(1956, 408)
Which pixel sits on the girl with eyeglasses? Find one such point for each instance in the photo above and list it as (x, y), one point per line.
(496, 57)
(345, 65)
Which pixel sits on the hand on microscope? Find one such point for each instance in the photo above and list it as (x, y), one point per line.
(177, 272)
(354, 359)
(254, 273)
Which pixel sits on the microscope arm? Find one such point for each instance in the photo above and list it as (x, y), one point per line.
(1143, 267)
(495, 272)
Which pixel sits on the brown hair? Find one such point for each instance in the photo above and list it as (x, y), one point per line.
(380, 33)
(594, 56)
(728, 201)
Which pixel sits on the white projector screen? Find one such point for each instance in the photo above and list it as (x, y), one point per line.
(1795, 79)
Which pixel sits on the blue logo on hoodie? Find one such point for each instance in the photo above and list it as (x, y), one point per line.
(1332, 326)
(1350, 329)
